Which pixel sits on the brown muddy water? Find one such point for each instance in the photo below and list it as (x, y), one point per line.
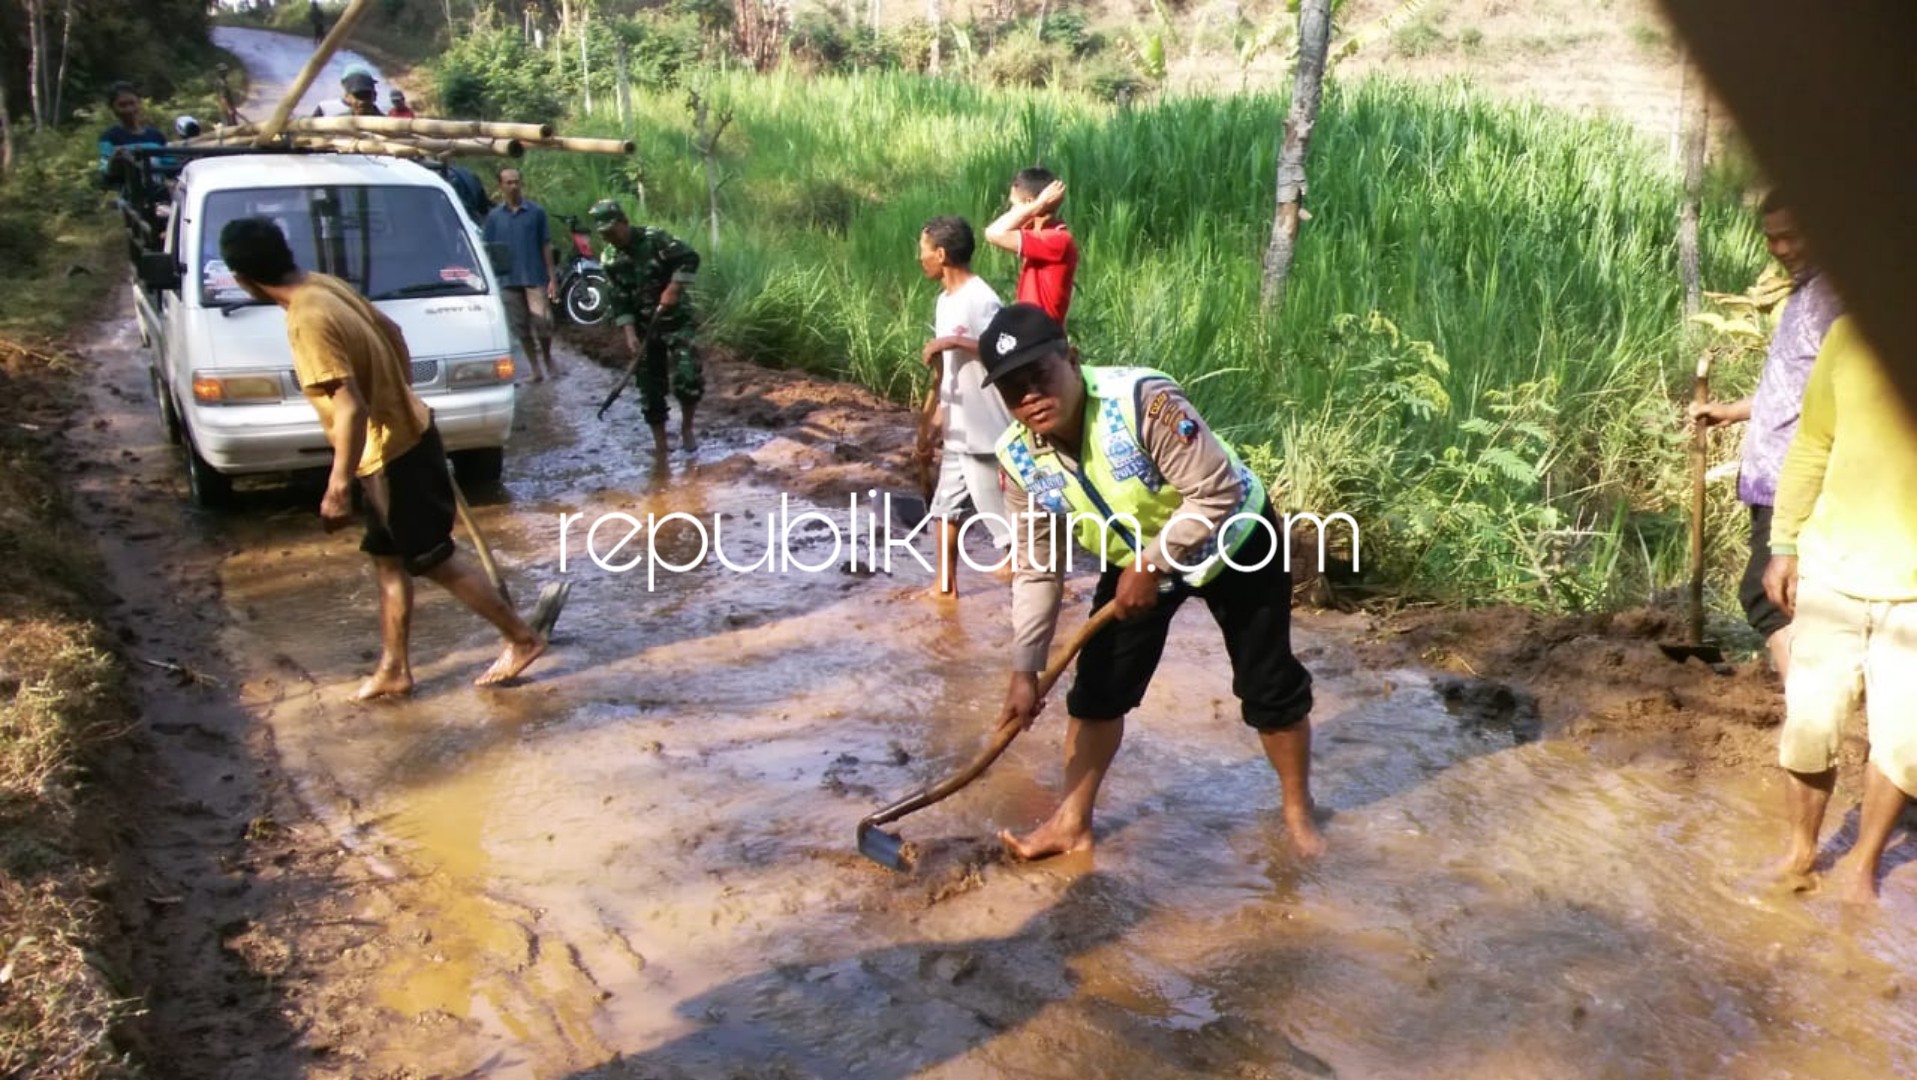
(640, 862)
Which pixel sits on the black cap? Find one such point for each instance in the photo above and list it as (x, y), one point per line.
(1018, 335)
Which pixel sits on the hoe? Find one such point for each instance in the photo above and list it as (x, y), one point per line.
(893, 853)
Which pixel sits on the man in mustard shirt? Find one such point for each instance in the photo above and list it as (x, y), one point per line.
(353, 365)
(1120, 459)
(1844, 566)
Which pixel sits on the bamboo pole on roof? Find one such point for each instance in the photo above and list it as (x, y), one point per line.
(585, 146)
(432, 127)
(355, 10)
(348, 144)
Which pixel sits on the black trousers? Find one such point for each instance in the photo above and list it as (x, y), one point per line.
(1252, 608)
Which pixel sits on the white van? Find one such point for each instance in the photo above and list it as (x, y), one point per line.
(220, 363)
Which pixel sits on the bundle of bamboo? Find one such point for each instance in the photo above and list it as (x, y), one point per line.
(410, 137)
(397, 136)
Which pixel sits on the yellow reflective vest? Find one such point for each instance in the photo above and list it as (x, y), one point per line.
(1116, 502)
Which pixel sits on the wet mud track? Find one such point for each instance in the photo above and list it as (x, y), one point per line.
(640, 862)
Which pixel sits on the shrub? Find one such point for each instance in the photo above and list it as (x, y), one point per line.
(1024, 60)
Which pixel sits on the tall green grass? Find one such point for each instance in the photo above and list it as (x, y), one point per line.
(1481, 347)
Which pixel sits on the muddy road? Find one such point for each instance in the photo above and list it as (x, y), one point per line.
(640, 861)
(273, 61)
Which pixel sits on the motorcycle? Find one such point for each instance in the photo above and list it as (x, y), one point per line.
(584, 290)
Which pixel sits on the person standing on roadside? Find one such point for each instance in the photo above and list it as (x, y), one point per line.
(1047, 252)
(973, 417)
(529, 282)
(318, 19)
(353, 365)
(650, 269)
(396, 104)
(1772, 412)
(1133, 473)
(1843, 567)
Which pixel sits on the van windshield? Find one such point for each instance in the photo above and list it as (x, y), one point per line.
(388, 241)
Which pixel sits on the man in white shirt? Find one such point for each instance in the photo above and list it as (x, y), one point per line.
(973, 416)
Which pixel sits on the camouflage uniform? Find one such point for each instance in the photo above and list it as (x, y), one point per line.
(640, 270)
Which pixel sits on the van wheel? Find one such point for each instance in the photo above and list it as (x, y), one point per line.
(206, 486)
(169, 416)
(479, 470)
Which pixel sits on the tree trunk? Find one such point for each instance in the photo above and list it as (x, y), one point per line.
(707, 143)
(625, 92)
(1697, 112)
(585, 67)
(935, 14)
(36, 62)
(6, 130)
(1314, 38)
(60, 79)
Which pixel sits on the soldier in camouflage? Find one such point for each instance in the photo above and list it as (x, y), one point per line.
(649, 269)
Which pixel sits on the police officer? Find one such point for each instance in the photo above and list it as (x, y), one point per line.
(650, 269)
(1120, 459)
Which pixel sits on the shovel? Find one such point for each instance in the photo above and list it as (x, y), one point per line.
(887, 849)
(1696, 646)
(552, 598)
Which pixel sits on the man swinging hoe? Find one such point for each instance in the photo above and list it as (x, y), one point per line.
(1138, 478)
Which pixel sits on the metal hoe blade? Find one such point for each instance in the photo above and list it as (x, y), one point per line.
(545, 612)
(885, 848)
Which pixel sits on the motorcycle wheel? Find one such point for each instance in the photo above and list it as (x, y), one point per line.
(589, 299)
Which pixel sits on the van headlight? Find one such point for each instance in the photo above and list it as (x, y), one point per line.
(236, 389)
(481, 372)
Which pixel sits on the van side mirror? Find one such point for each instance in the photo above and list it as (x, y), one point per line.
(499, 255)
(159, 270)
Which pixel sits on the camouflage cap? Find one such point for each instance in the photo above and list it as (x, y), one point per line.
(605, 214)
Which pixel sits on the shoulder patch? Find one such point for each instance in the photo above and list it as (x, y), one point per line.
(1159, 401)
(1187, 428)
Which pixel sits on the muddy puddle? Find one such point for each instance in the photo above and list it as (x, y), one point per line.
(640, 863)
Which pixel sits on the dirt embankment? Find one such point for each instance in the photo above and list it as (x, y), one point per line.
(1602, 680)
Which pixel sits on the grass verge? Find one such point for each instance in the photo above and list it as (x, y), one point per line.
(64, 702)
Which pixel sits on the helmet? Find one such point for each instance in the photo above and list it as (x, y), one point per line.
(358, 79)
(605, 214)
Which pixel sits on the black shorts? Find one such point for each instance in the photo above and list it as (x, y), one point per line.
(419, 529)
(1253, 611)
(1765, 617)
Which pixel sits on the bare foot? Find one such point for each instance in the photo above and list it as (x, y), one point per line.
(1860, 887)
(1004, 573)
(1046, 841)
(1304, 833)
(936, 598)
(1796, 871)
(513, 659)
(385, 683)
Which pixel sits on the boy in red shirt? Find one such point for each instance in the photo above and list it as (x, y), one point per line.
(1047, 252)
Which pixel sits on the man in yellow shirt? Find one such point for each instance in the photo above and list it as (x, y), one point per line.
(353, 365)
(1844, 566)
